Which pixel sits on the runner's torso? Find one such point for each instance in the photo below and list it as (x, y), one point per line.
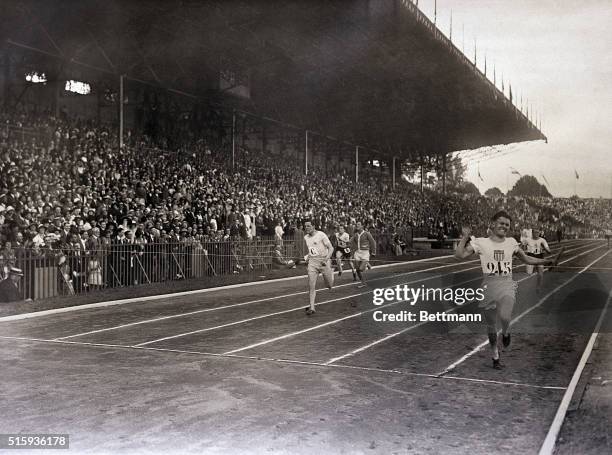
(316, 245)
(536, 246)
(342, 240)
(495, 257)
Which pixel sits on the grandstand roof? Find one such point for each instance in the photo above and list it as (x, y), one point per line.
(372, 73)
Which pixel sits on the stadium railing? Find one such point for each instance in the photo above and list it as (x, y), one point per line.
(63, 271)
(71, 271)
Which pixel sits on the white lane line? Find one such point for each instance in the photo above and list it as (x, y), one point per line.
(88, 306)
(548, 446)
(243, 321)
(147, 321)
(433, 376)
(393, 335)
(454, 365)
(178, 315)
(335, 321)
(276, 313)
(489, 381)
(234, 305)
(192, 292)
(292, 334)
(380, 340)
(278, 360)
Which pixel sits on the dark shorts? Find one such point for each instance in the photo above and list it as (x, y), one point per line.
(346, 252)
(538, 256)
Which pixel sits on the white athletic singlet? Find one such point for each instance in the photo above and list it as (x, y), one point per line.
(495, 257)
(316, 245)
(536, 246)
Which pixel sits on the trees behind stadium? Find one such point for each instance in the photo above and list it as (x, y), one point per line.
(528, 185)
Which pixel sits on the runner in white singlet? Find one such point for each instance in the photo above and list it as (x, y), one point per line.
(496, 252)
(536, 246)
(319, 250)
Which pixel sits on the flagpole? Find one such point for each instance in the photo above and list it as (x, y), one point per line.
(508, 182)
(435, 12)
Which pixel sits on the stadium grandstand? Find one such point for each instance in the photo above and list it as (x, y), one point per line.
(183, 159)
(155, 146)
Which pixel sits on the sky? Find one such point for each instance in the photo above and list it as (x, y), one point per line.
(557, 54)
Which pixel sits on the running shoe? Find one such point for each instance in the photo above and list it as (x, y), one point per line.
(497, 365)
(506, 340)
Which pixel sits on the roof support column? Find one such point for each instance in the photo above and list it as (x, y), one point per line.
(422, 175)
(233, 139)
(444, 174)
(121, 97)
(306, 153)
(357, 164)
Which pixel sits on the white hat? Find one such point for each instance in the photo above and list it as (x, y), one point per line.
(15, 271)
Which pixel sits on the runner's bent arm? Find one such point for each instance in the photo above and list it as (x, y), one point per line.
(353, 244)
(372, 244)
(535, 261)
(329, 246)
(305, 247)
(464, 251)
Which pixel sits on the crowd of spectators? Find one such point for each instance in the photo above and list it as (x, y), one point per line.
(66, 186)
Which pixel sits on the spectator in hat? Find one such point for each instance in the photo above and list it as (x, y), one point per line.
(66, 232)
(9, 287)
(39, 239)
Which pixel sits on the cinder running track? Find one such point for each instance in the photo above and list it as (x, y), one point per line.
(244, 370)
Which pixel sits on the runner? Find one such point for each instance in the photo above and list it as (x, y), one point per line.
(319, 250)
(343, 251)
(536, 246)
(363, 245)
(496, 252)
